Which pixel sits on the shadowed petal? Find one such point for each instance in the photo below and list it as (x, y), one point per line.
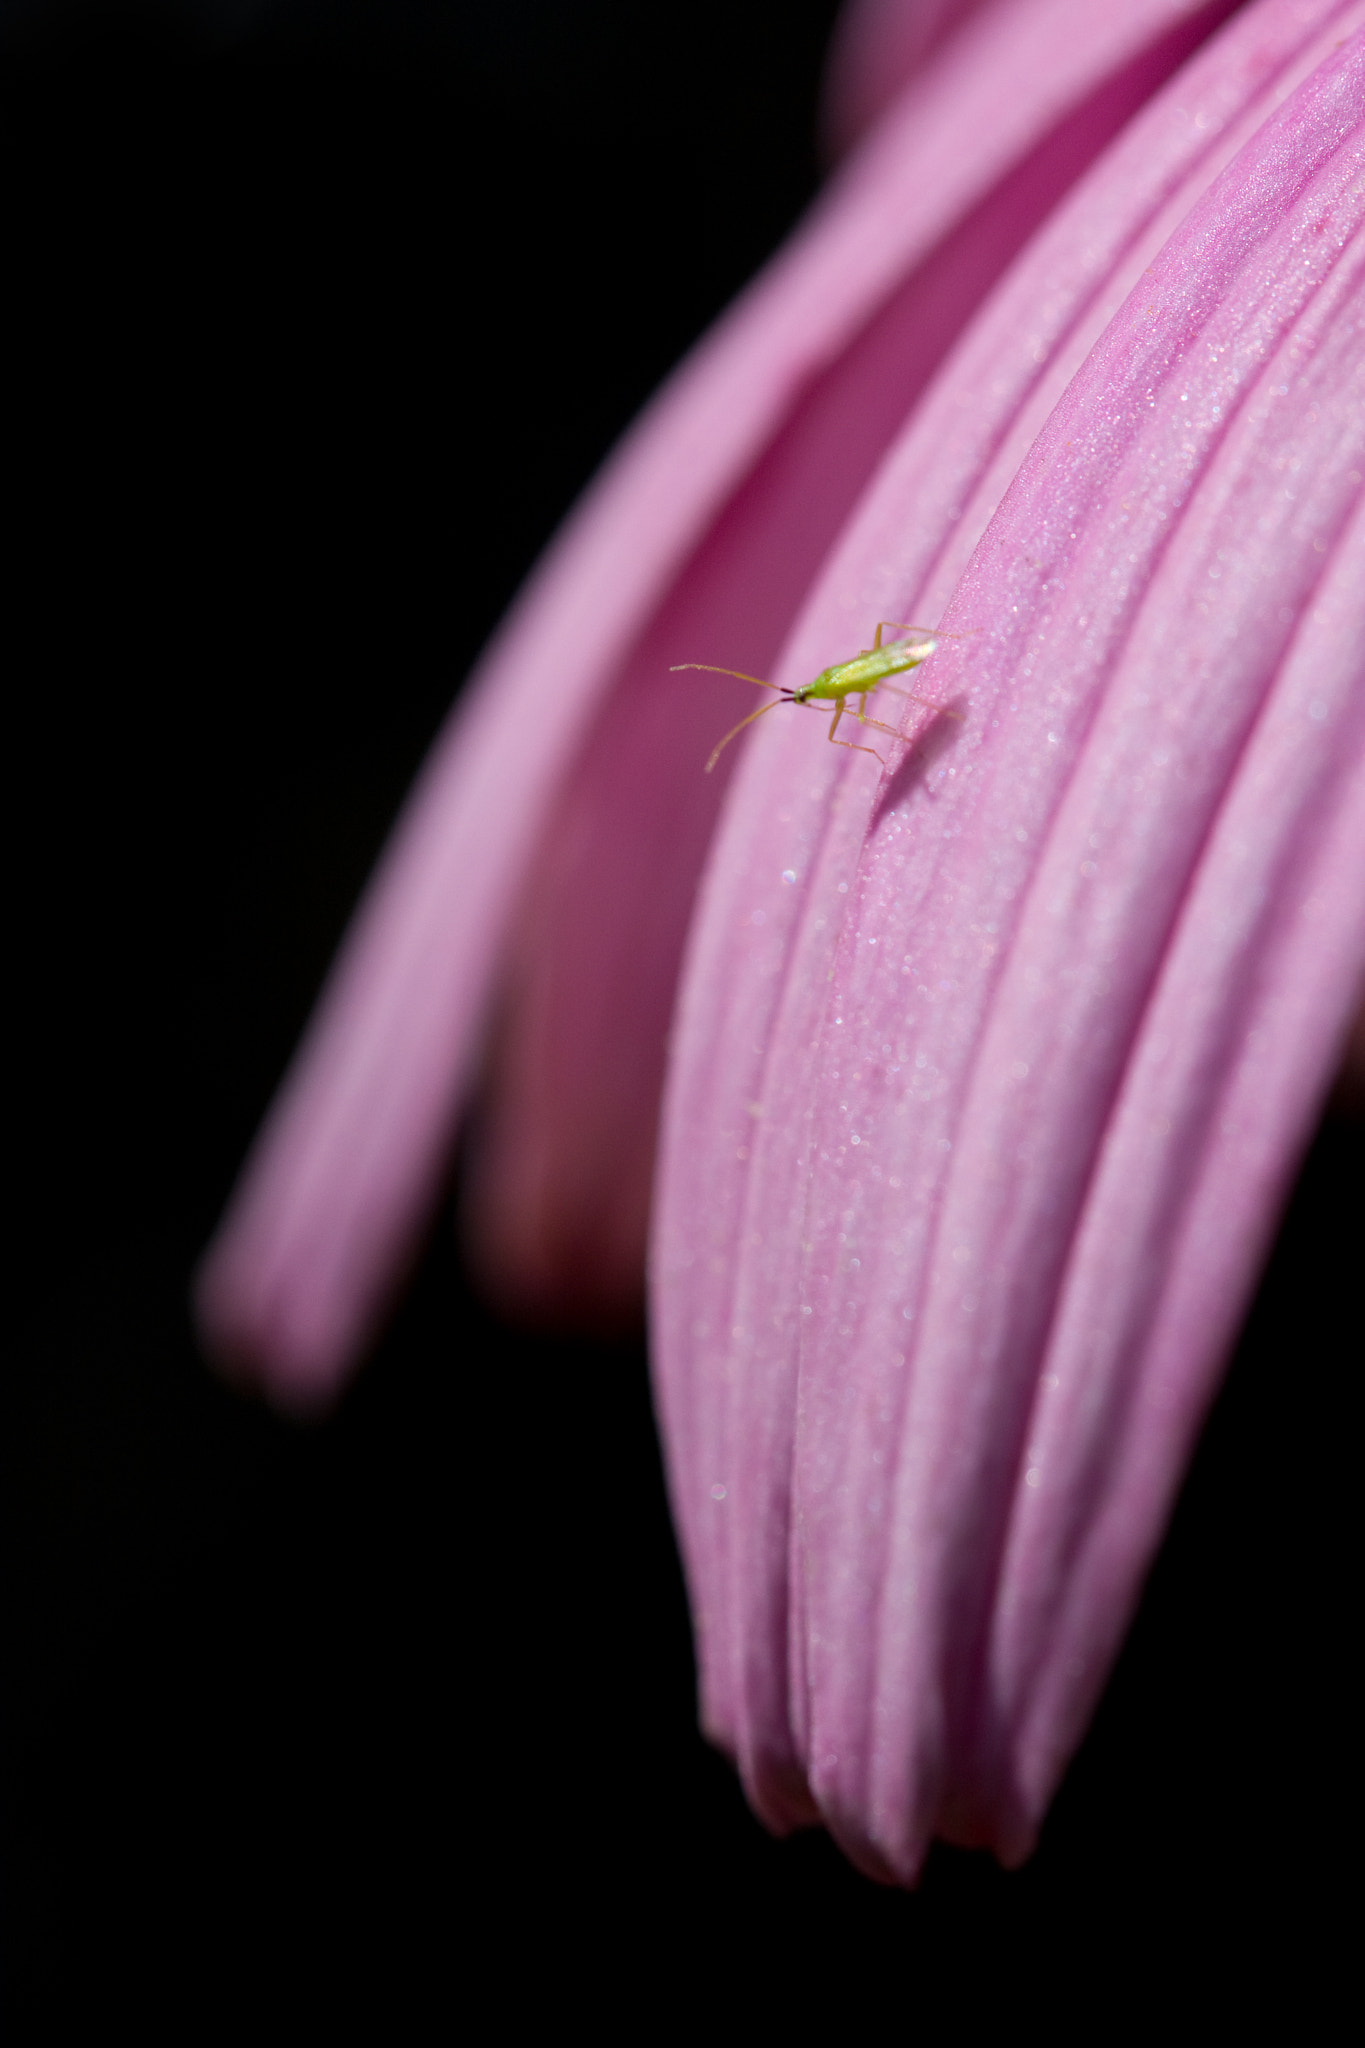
(877, 45)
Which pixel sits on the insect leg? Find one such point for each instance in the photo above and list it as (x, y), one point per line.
(925, 634)
(863, 718)
(903, 626)
(928, 632)
(927, 702)
(852, 745)
(895, 733)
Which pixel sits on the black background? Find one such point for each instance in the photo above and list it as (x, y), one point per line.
(316, 319)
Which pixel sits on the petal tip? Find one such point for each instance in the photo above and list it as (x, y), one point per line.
(263, 1345)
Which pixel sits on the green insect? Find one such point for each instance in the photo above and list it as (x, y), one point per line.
(865, 673)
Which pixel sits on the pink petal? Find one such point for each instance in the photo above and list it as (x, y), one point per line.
(558, 1191)
(705, 527)
(876, 47)
(885, 1130)
(1219, 1092)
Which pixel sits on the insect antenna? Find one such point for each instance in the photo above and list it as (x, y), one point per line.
(933, 632)
(718, 751)
(712, 669)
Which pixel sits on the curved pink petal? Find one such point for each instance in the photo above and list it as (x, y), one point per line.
(1219, 1091)
(557, 1188)
(704, 530)
(876, 47)
(906, 1056)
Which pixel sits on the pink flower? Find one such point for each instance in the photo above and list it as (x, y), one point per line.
(987, 1073)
